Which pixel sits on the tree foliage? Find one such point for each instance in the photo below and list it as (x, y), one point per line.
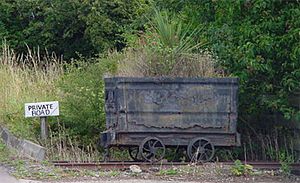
(257, 41)
(67, 27)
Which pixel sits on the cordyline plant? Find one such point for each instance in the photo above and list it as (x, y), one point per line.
(167, 49)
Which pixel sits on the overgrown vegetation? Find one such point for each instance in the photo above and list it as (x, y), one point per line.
(166, 49)
(78, 88)
(62, 145)
(28, 77)
(256, 41)
(285, 162)
(239, 169)
(82, 98)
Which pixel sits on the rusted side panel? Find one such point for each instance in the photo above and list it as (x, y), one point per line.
(111, 104)
(173, 104)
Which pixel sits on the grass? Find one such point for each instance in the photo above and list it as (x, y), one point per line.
(168, 172)
(24, 168)
(167, 48)
(62, 146)
(114, 173)
(31, 77)
(25, 78)
(4, 153)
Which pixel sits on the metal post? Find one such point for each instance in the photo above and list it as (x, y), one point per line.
(44, 128)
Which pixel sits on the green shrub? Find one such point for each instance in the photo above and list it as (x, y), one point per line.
(285, 161)
(82, 98)
(239, 169)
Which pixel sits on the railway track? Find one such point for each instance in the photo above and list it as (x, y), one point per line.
(145, 165)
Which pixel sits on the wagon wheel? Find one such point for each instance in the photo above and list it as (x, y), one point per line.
(134, 153)
(200, 150)
(152, 149)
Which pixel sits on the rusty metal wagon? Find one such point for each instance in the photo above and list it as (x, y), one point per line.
(148, 115)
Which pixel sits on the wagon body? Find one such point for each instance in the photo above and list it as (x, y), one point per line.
(174, 110)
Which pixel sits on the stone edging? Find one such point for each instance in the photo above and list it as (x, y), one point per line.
(23, 146)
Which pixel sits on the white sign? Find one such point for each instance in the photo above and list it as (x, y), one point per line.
(42, 109)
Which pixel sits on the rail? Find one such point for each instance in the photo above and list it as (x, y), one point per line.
(144, 165)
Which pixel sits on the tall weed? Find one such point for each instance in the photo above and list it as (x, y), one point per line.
(63, 146)
(82, 98)
(269, 144)
(25, 78)
(79, 88)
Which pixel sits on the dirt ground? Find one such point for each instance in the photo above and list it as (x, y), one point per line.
(131, 181)
(27, 171)
(209, 173)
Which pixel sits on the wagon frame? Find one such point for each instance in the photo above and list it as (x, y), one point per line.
(148, 115)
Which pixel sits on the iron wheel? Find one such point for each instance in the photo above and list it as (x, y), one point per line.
(152, 149)
(200, 150)
(134, 153)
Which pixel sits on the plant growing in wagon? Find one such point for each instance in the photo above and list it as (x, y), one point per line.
(169, 95)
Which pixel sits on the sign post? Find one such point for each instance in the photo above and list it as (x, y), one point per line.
(44, 129)
(42, 110)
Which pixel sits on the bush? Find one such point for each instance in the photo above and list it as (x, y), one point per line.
(239, 169)
(285, 161)
(166, 49)
(82, 98)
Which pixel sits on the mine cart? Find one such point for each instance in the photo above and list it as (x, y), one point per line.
(148, 115)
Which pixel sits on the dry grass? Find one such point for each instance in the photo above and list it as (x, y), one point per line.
(32, 78)
(25, 78)
(167, 49)
(133, 63)
(144, 63)
(62, 146)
